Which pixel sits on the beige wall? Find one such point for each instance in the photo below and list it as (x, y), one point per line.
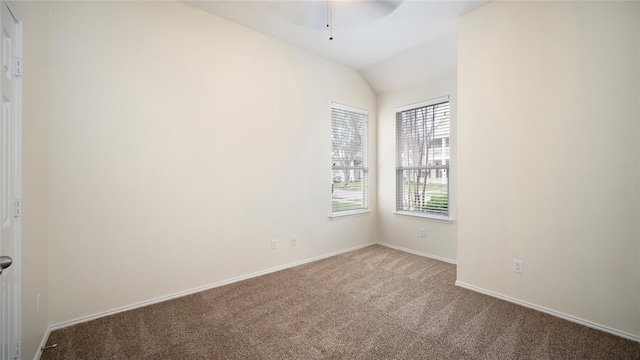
(181, 144)
(548, 156)
(400, 230)
(35, 174)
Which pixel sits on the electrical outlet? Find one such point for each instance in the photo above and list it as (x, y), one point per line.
(517, 266)
(293, 241)
(38, 303)
(423, 232)
(274, 244)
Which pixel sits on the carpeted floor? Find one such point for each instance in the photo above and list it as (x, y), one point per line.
(372, 303)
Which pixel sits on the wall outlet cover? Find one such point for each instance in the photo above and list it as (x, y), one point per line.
(517, 266)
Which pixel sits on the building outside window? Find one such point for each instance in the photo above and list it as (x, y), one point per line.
(423, 154)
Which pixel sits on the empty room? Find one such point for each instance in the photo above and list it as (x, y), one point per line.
(320, 180)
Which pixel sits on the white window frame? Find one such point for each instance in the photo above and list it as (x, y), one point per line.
(335, 168)
(400, 168)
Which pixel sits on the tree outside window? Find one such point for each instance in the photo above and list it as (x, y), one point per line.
(422, 175)
(349, 158)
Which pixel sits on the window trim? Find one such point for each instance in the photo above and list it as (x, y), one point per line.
(447, 219)
(423, 104)
(348, 213)
(417, 214)
(365, 167)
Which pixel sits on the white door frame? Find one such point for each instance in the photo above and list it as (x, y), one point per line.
(16, 267)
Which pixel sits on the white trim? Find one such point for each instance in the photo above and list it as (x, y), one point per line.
(43, 343)
(435, 257)
(335, 105)
(549, 311)
(344, 214)
(423, 215)
(201, 288)
(423, 104)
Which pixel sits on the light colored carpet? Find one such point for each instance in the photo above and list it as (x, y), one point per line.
(372, 303)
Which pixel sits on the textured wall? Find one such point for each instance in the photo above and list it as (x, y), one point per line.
(548, 156)
(35, 174)
(181, 144)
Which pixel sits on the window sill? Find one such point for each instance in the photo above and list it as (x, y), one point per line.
(424, 216)
(344, 214)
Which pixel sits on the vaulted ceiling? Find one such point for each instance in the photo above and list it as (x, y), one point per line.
(385, 40)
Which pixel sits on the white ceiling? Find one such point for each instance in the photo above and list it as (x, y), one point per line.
(367, 35)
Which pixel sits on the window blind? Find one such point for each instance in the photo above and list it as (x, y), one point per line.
(349, 172)
(423, 155)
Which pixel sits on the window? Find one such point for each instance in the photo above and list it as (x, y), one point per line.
(422, 172)
(349, 173)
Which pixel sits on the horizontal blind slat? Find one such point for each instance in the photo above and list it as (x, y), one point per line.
(422, 172)
(349, 159)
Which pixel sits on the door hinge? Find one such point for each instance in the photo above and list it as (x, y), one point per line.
(17, 207)
(18, 348)
(18, 66)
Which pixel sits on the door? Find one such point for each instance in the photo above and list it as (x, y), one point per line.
(10, 72)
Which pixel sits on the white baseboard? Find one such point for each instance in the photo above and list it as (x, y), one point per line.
(43, 343)
(198, 289)
(450, 261)
(550, 312)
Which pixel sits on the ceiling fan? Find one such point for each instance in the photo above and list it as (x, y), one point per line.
(327, 14)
